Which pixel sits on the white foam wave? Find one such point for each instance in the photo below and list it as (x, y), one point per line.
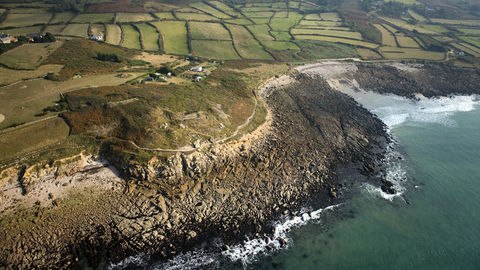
(249, 250)
(189, 260)
(395, 110)
(139, 260)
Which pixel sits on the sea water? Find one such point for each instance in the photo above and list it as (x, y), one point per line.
(433, 222)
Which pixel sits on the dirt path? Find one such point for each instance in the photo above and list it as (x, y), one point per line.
(2, 118)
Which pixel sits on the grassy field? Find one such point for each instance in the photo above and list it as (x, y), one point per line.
(28, 10)
(210, 10)
(114, 34)
(195, 16)
(149, 37)
(205, 30)
(94, 18)
(281, 45)
(259, 14)
(28, 56)
(284, 24)
(417, 16)
(62, 17)
(475, 41)
(260, 31)
(410, 53)
(19, 20)
(214, 49)
(247, 47)
(54, 29)
(77, 30)
(174, 36)
(469, 31)
(320, 23)
(8, 76)
(225, 8)
(368, 54)
(330, 16)
(342, 34)
(133, 17)
(405, 2)
(132, 37)
(278, 35)
(35, 95)
(387, 38)
(260, 20)
(457, 22)
(407, 42)
(434, 28)
(33, 137)
(403, 24)
(241, 21)
(23, 30)
(164, 15)
(339, 40)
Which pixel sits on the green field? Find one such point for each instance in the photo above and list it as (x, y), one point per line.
(214, 49)
(132, 37)
(417, 16)
(23, 30)
(33, 137)
(210, 10)
(281, 45)
(164, 15)
(338, 40)
(260, 31)
(77, 30)
(467, 48)
(469, 31)
(403, 24)
(174, 35)
(28, 56)
(284, 24)
(457, 22)
(62, 17)
(320, 23)
(278, 35)
(259, 14)
(29, 10)
(475, 41)
(225, 8)
(133, 17)
(405, 2)
(149, 37)
(246, 45)
(205, 30)
(8, 76)
(260, 20)
(241, 21)
(434, 28)
(330, 16)
(387, 38)
(333, 33)
(94, 18)
(407, 42)
(55, 29)
(19, 20)
(368, 54)
(313, 17)
(195, 16)
(410, 53)
(114, 34)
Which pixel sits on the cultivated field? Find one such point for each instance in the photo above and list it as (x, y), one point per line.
(260, 31)
(407, 42)
(133, 17)
(164, 15)
(23, 30)
(205, 30)
(247, 47)
(114, 34)
(62, 17)
(339, 40)
(210, 10)
(76, 30)
(8, 76)
(149, 37)
(19, 20)
(214, 49)
(174, 36)
(132, 37)
(388, 38)
(281, 45)
(195, 16)
(54, 29)
(457, 22)
(417, 16)
(410, 53)
(94, 18)
(333, 33)
(28, 56)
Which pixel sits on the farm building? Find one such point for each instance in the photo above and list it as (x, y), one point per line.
(97, 37)
(197, 69)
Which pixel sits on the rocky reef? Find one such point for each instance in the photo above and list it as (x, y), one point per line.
(226, 191)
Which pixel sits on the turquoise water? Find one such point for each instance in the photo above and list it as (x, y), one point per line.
(435, 224)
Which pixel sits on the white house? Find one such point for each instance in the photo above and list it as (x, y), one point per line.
(197, 69)
(98, 37)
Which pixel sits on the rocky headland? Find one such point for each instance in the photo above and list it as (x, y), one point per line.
(313, 134)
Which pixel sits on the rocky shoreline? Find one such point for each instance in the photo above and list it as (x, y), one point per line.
(315, 135)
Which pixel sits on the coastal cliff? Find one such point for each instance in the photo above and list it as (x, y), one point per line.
(226, 191)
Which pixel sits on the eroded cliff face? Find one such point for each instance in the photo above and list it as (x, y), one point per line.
(226, 191)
